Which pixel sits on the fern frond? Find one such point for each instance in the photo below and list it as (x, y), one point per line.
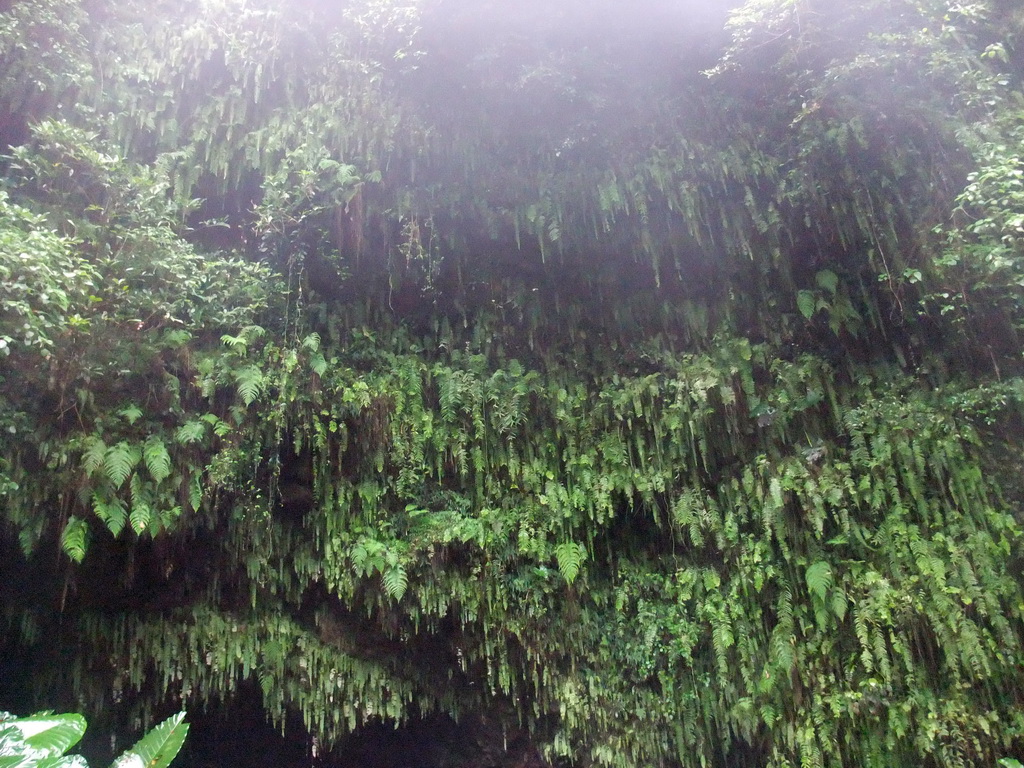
(252, 332)
(195, 492)
(74, 539)
(819, 579)
(396, 581)
(112, 512)
(190, 432)
(449, 391)
(119, 462)
(839, 604)
(250, 383)
(130, 413)
(158, 460)
(570, 557)
(237, 343)
(141, 516)
(95, 454)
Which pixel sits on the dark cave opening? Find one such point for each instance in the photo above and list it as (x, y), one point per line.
(237, 733)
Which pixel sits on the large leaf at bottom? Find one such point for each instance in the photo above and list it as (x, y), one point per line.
(38, 738)
(158, 747)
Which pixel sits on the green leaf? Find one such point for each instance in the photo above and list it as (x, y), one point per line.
(158, 747)
(176, 337)
(68, 761)
(190, 432)
(113, 513)
(47, 736)
(250, 383)
(130, 413)
(158, 460)
(237, 343)
(119, 462)
(819, 579)
(195, 492)
(141, 516)
(570, 557)
(95, 454)
(828, 280)
(806, 303)
(74, 538)
(839, 604)
(396, 581)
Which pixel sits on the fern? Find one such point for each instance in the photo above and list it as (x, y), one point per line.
(240, 343)
(220, 427)
(819, 579)
(688, 512)
(112, 512)
(449, 394)
(250, 382)
(311, 342)
(158, 460)
(839, 604)
(236, 343)
(190, 432)
(130, 413)
(74, 538)
(119, 462)
(141, 516)
(95, 454)
(807, 303)
(570, 557)
(395, 581)
(195, 492)
(722, 638)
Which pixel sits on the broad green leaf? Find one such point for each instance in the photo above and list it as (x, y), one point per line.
(158, 747)
(47, 736)
(68, 761)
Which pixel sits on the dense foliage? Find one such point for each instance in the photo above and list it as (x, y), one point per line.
(641, 382)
